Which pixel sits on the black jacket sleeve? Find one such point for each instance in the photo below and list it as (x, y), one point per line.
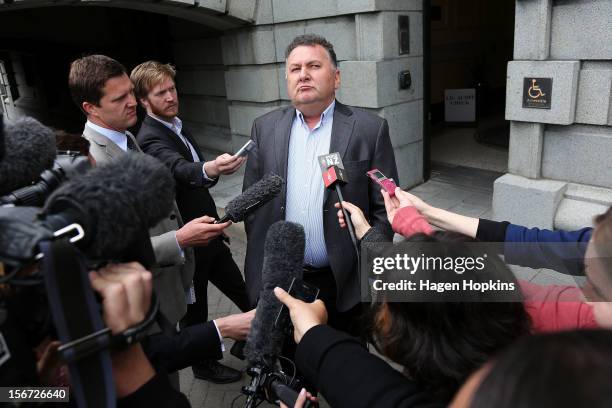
(349, 376)
(192, 344)
(184, 171)
(375, 235)
(157, 392)
(491, 231)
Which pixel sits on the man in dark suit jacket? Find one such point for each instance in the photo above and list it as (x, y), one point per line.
(162, 135)
(288, 142)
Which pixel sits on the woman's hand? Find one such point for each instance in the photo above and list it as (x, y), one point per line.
(358, 219)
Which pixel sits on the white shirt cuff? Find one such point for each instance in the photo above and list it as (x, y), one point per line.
(220, 338)
(206, 175)
(179, 246)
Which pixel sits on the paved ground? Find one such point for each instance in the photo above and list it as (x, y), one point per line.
(459, 189)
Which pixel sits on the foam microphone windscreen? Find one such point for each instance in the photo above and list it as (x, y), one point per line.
(258, 194)
(283, 260)
(119, 199)
(29, 150)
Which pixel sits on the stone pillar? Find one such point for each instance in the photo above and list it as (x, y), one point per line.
(560, 171)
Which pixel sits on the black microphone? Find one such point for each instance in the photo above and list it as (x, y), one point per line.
(253, 197)
(106, 212)
(333, 178)
(115, 202)
(283, 261)
(29, 149)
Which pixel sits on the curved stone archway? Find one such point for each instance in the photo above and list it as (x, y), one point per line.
(217, 14)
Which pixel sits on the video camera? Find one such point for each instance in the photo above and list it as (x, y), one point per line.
(46, 255)
(66, 165)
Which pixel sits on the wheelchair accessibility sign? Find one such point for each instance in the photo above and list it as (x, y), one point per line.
(537, 93)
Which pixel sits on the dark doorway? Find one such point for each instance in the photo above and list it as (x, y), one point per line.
(470, 44)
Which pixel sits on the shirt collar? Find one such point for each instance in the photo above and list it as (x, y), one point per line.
(119, 138)
(327, 114)
(176, 125)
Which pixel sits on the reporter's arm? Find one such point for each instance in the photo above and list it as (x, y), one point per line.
(443, 219)
(126, 297)
(451, 221)
(185, 172)
(167, 250)
(349, 376)
(157, 392)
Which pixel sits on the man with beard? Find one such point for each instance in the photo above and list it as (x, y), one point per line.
(163, 136)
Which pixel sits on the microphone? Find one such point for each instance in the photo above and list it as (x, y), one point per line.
(283, 260)
(333, 178)
(116, 203)
(31, 150)
(253, 197)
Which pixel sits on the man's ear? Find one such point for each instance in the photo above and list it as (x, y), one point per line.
(89, 108)
(144, 102)
(337, 79)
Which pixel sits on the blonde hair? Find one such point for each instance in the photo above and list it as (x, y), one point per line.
(146, 75)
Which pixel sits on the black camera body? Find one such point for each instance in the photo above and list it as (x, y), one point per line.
(272, 386)
(66, 165)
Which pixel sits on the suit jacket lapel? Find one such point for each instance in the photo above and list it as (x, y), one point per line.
(342, 130)
(111, 149)
(149, 121)
(194, 144)
(282, 133)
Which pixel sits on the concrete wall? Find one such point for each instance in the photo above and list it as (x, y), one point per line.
(202, 88)
(365, 38)
(559, 161)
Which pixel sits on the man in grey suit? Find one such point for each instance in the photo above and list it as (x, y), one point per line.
(288, 142)
(101, 88)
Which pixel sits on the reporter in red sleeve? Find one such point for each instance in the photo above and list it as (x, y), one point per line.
(551, 307)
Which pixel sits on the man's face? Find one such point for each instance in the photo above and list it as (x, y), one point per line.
(117, 108)
(598, 288)
(312, 79)
(162, 100)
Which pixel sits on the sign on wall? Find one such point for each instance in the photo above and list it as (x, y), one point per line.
(460, 105)
(537, 93)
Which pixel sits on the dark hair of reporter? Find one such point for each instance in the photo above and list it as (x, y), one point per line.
(569, 369)
(441, 343)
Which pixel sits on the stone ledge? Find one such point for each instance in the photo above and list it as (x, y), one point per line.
(532, 203)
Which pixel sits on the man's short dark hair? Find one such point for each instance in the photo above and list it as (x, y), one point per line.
(88, 75)
(312, 40)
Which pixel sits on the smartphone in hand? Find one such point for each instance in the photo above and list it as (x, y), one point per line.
(386, 183)
(244, 150)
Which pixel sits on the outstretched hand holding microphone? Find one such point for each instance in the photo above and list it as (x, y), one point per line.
(304, 317)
